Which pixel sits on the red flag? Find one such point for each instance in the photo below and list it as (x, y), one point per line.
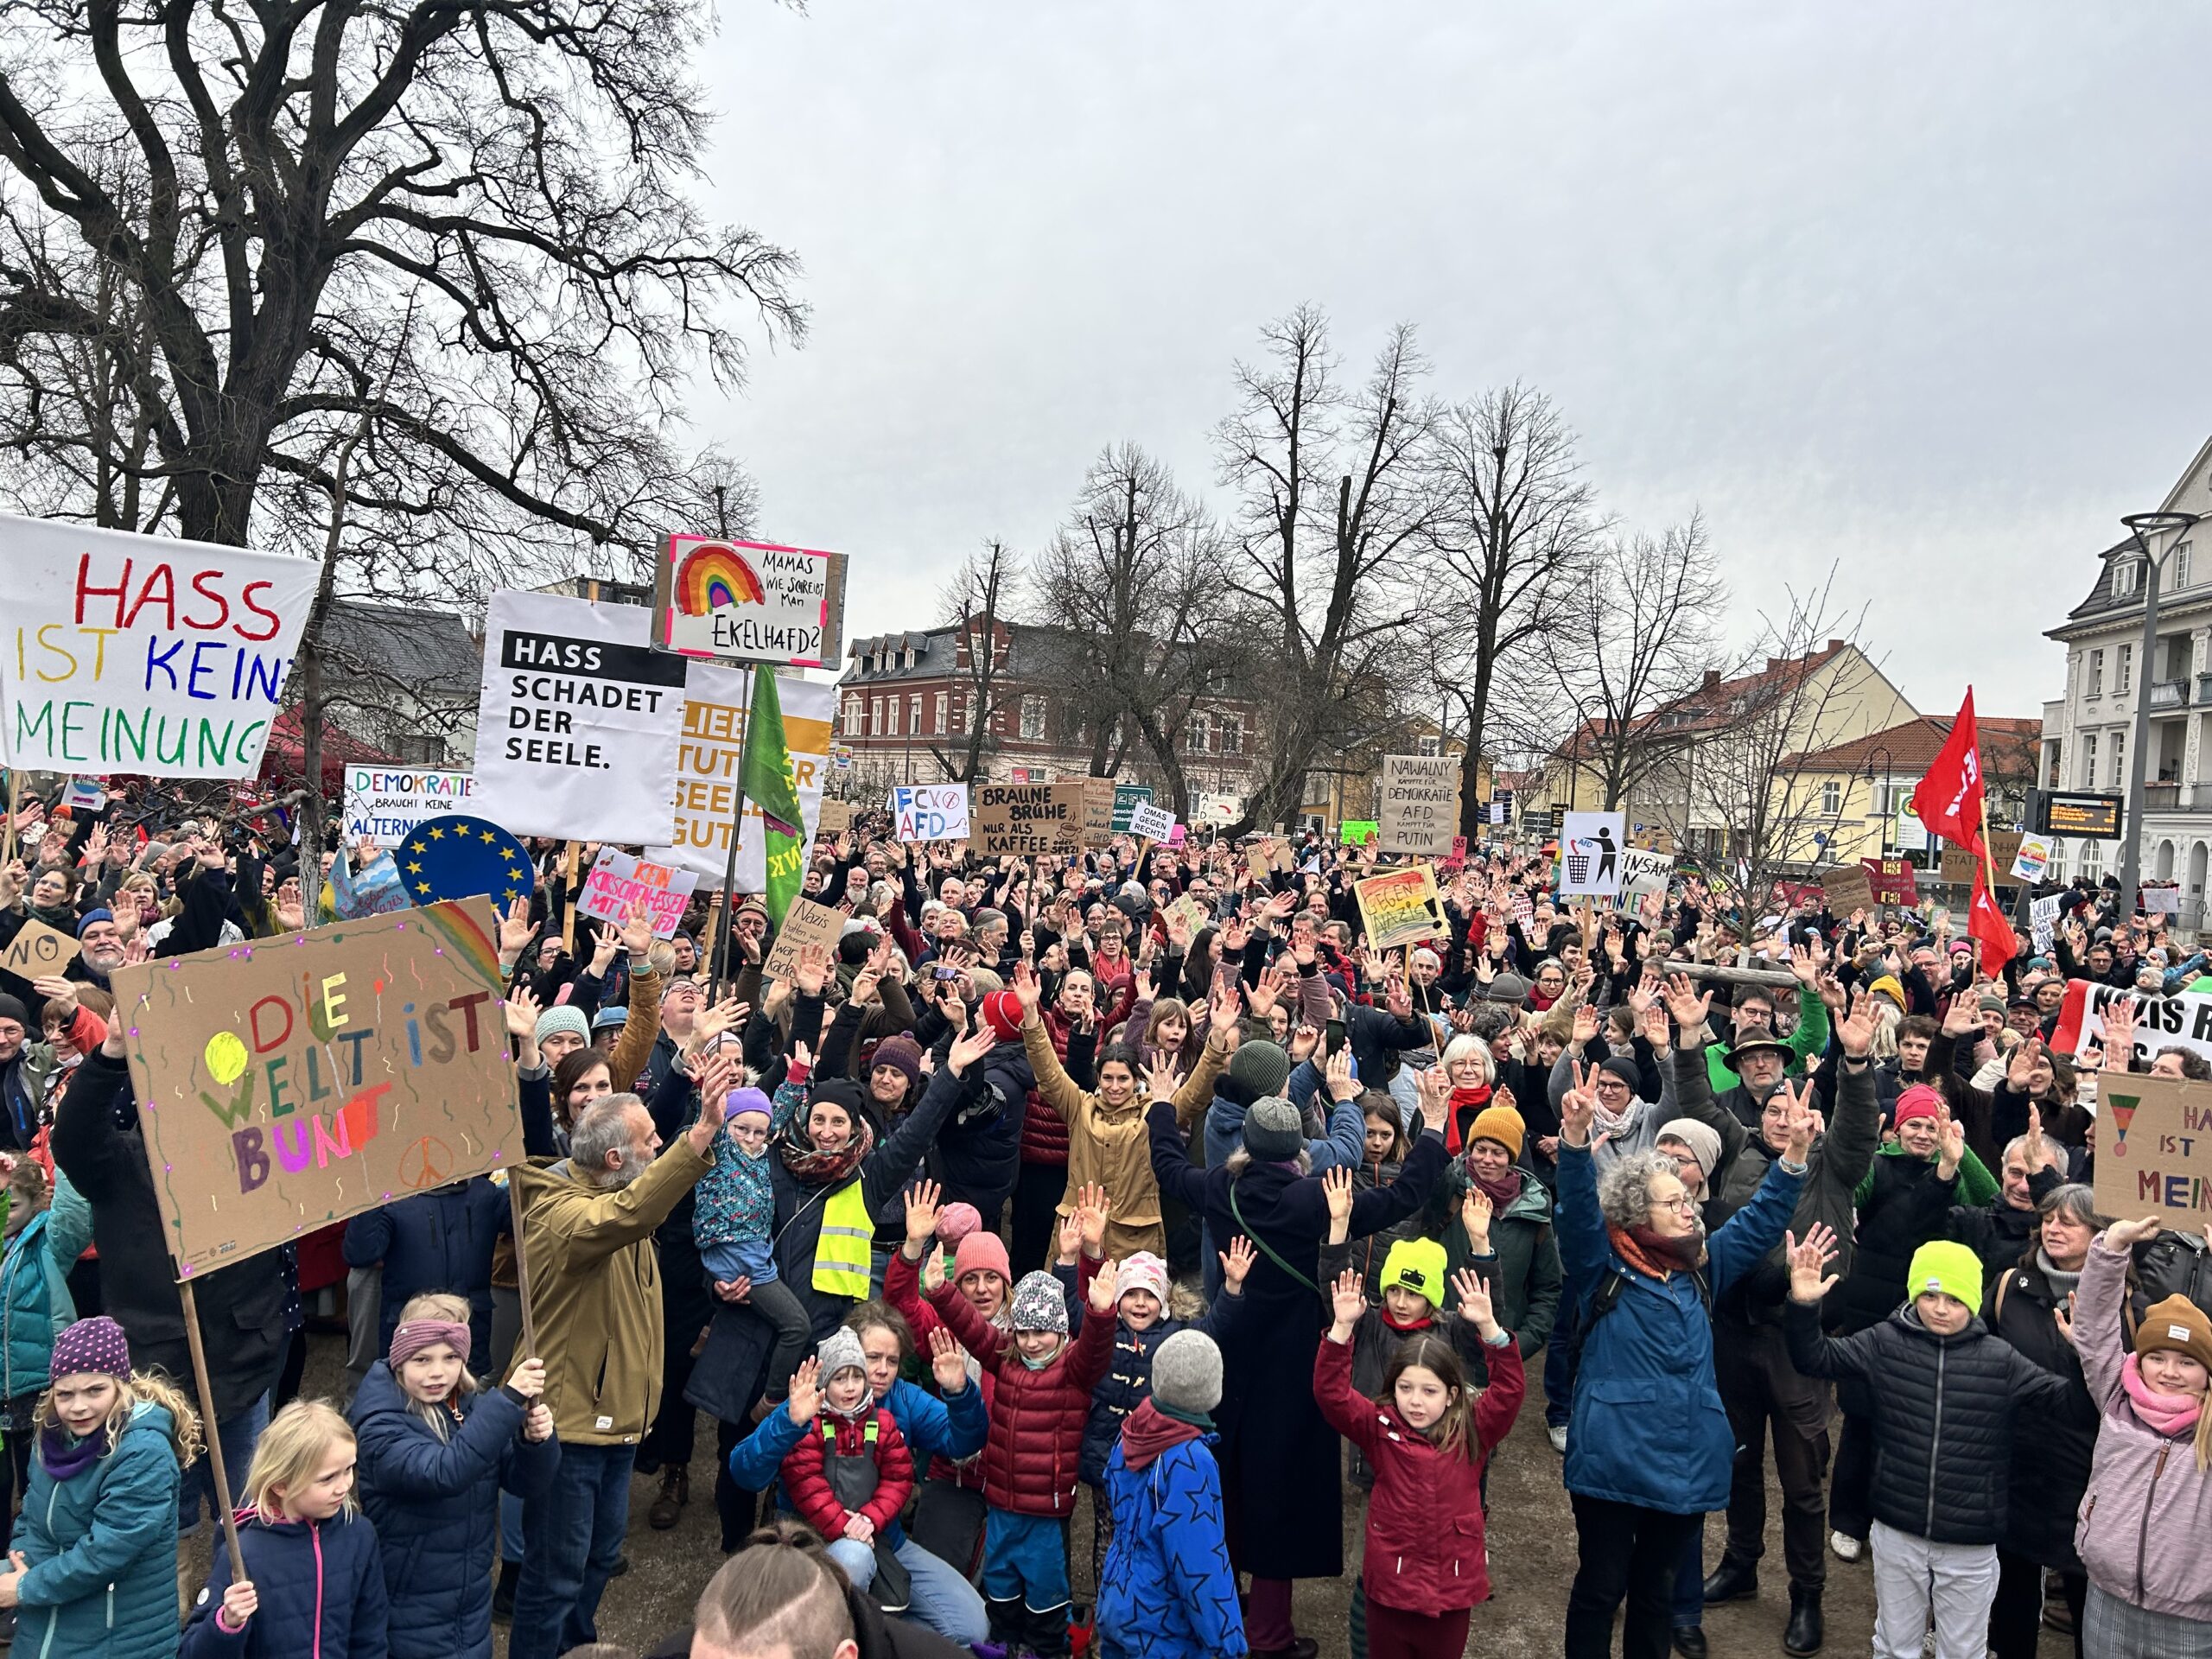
(1949, 799)
(1985, 922)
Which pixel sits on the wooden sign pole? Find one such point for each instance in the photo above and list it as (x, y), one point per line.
(15, 795)
(214, 1439)
(522, 1272)
(568, 899)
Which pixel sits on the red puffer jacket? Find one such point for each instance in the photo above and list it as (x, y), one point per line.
(1043, 1131)
(809, 1485)
(1035, 1449)
(1424, 1522)
(902, 1288)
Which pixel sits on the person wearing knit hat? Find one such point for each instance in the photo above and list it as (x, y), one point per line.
(985, 982)
(849, 1474)
(1001, 1012)
(1040, 1309)
(1261, 1067)
(1508, 989)
(1413, 1281)
(1186, 1377)
(1503, 1125)
(982, 1273)
(1887, 985)
(1274, 1130)
(734, 1225)
(1699, 1144)
(1947, 1399)
(901, 1053)
(98, 913)
(956, 1221)
(93, 1347)
(1143, 1301)
(561, 1030)
(839, 1352)
(2174, 1324)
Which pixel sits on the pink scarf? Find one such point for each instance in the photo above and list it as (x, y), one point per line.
(2161, 1414)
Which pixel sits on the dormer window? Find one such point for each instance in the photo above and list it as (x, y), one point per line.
(2127, 577)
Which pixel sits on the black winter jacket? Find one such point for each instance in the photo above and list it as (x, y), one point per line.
(1943, 1409)
(2050, 1463)
(1909, 1205)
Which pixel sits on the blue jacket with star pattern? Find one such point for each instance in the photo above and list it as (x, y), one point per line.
(1167, 1590)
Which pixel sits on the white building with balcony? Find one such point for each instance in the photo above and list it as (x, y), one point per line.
(2087, 734)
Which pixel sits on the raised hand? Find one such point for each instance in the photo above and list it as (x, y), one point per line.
(1336, 1191)
(922, 1211)
(1347, 1301)
(1162, 1078)
(1343, 1085)
(522, 1011)
(1950, 1143)
(2126, 1234)
(1474, 1302)
(805, 1397)
(1809, 1279)
(1071, 1232)
(1657, 1032)
(1475, 1212)
(1578, 1108)
(948, 1362)
(1237, 1264)
(1105, 1286)
(1683, 1001)
(1092, 1208)
(1026, 987)
(1856, 1031)
(515, 930)
(636, 931)
(1433, 1087)
(1586, 1027)
(971, 1048)
(812, 972)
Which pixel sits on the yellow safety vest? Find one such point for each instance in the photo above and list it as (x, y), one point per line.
(842, 1254)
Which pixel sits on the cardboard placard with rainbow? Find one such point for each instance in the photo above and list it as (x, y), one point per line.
(288, 1083)
(742, 601)
(2154, 1149)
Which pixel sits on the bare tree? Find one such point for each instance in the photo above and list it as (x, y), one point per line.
(1506, 551)
(468, 221)
(983, 593)
(1737, 776)
(1635, 637)
(1130, 591)
(1332, 486)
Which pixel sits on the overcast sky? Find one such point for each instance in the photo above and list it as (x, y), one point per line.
(1916, 290)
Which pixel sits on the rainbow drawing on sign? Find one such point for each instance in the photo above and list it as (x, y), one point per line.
(711, 576)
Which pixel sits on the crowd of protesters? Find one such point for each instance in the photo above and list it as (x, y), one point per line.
(1128, 1182)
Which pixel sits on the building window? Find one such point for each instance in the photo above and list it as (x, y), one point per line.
(893, 730)
(2119, 758)
(2097, 673)
(914, 714)
(1232, 735)
(1033, 720)
(943, 700)
(1198, 733)
(2181, 566)
(2127, 577)
(1831, 799)
(419, 749)
(875, 717)
(2124, 674)
(852, 717)
(1429, 746)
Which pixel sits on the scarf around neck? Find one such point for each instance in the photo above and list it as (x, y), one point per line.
(1503, 1194)
(65, 1455)
(809, 1163)
(1656, 1257)
(2161, 1414)
(1465, 1102)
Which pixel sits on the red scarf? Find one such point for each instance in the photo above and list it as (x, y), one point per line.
(1466, 1103)
(1503, 1194)
(1149, 1431)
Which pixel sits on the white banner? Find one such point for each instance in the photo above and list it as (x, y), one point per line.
(1642, 872)
(749, 601)
(716, 701)
(141, 653)
(1152, 822)
(2184, 1019)
(386, 802)
(576, 730)
(2042, 921)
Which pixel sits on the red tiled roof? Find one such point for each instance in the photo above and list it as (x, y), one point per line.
(1913, 745)
(1707, 708)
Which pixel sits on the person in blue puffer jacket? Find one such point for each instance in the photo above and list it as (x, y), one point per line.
(314, 1576)
(435, 1452)
(1167, 1590)
(98, 1533)
(436, 1240)
(952, 1424)
(48, 1231)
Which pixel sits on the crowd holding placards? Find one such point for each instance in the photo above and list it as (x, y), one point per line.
(1127, 1183)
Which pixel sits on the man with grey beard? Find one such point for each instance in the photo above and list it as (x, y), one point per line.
(595, 1278)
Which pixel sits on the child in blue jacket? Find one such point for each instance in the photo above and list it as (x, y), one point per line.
(733, 1222)
(1168, 1590)
(98, 1535)
(308, 1554)
(48, 1229)
(434, 1451)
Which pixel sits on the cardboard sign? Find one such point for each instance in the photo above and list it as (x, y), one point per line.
(1098, 795)
(616, 881)
(1643, 872)
(835, 818)
(1028, 820)
(2154, 1149)
(1418, 812)
(1358, 832)
(38, 950)
(709, 757)
(1127, 799)
(743, 601)
(1259, 859)
(808, 924)
(2042, 921)
(295, 1081)
(385, 803)
(141, 653)
(1194, 914)
(2033, 860)
(576, 728)
(1400, 908)
(1959, 865)
(1846, 888)
(1590, 846)
(930, 812)
(1150, 822)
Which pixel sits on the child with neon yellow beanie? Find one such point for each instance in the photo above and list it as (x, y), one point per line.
(1947, 1394)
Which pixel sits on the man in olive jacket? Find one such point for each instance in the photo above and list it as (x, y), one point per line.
(595, 1280)
(1759, 1385)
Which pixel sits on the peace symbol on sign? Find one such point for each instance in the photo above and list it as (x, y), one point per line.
(425, 1164)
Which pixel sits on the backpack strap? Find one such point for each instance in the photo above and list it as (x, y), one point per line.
(1267, 1249)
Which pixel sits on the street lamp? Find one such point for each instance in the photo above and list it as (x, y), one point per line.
(1881, 791)
(2143, 525)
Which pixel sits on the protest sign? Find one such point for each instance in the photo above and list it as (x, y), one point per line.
(808, 923)
(295, 1081)
(141, 653)
(576, 729)
(1894, 880)
(1259, 859)
(1419, 808)
(2162, 901)
(1399, 908)
(1127, 799)
(460, 857)
(84, 795)
(2042, 921)
(1150, 822)
(1028, 819)
(1178, 835)
(1098, 797)
(1846, 888)
(385, 803)
(717, 702)
(38, 950)
(2033, 858)
(2183, 1018)
(930, 812)
(1644, 871)
(835, 818)
(1589, 852)
(1958, 864)
(1193, 912)
(1358, 832)
(2154, 1149)
(616, 881)
(744, 601)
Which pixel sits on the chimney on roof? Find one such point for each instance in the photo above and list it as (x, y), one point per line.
(1772, 663)
(1712, 679)
(1836, 645)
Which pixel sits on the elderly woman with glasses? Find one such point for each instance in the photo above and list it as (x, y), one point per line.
(1649, 1446)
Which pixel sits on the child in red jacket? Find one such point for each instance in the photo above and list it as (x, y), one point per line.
(1424, 1565)
(851, 1477)
(1030, 1459)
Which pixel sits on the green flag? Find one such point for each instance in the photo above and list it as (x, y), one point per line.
(768, 784)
